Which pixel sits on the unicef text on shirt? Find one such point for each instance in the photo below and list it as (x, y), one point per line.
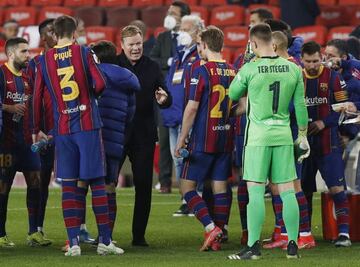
(74, 109)
(221, 127)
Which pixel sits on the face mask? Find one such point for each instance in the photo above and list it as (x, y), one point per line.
(81, 40)
(169, 22)
(184, 39)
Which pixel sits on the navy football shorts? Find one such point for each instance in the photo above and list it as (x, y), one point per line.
(238, 154)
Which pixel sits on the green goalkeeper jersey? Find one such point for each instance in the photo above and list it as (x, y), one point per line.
(270, 83)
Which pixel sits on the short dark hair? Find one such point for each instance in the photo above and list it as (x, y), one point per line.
(263, 13)
(213, 37)
(105, 51)
(13, 43)
(280, 25)
(310, 48)
(353, 44)
(340, 45)
(261, 31)
(185, 9)
(65, 26)
(44, 24)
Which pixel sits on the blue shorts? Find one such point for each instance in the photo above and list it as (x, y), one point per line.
(19, 158)
(79, 155)
(200, 166)
(112, 170)
(47, 157)
(239, 147)
(331, 168)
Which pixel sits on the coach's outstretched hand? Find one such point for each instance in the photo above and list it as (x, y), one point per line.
(301, 146)
(161, 95)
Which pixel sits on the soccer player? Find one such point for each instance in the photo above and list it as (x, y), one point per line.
(73, 79)
(305, 240)
(15, 152)
(324, 88)
(271, 83)
(46, 31)
(211, 141)
(117, 109)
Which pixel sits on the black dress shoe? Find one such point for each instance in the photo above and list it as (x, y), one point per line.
(140, 243)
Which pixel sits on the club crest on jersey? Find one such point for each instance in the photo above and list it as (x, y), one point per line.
(323, 86)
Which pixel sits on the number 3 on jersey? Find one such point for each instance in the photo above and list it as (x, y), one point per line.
(66, 82)
(215, 112)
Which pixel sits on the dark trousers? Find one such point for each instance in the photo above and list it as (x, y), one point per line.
(165, 160)
(141, 157)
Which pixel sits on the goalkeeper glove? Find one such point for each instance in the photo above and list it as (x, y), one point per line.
(301, 146)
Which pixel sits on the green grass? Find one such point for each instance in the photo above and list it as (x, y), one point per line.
(173, 241)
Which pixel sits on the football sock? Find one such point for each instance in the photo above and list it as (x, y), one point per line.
(309, 197)
(32, 203)
(230, 198)
(3, 212)
(277, 207)
(101, 209)
(255, 213)
(342, 212)
(81, 193)
(112, 210)
(221, 209)
(304, 213)
(243, 200)
(197, 204)
(208, 197)
(290, 214)
(45, 176)
(70, 210)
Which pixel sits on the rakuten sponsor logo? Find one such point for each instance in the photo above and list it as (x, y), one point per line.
(74, 109)
(315, 101)
(17, 97)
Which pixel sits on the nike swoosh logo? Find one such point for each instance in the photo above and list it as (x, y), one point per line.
(341, 179)
(8, 82)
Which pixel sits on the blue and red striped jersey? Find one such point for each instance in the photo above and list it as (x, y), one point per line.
(212, 130)
(47, 118)
(321, 91)
(73, 80)
(188, 72)
(14, 89)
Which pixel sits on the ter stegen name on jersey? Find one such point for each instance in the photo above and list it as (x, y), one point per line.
(273, 69)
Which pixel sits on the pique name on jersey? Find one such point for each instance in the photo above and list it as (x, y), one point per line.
(273, 69)
(315, 101)
(63, 55)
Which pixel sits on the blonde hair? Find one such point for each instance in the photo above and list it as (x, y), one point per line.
(280, 40)
(130, 31)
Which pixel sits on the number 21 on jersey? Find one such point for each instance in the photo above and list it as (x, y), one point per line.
(216, 112)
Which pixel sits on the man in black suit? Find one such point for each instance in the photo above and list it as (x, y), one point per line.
(142, 133)
(163, 52)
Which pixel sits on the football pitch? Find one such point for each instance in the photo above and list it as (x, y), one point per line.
(173, 241)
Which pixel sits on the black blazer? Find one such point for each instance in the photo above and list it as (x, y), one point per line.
(161, 51)
(143, 129)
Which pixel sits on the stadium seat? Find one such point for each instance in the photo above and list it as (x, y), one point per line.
(339, 32)
(46, 2)
(349, 2)
(212, 2)
(227, 15)
(97, 33)
(227, 54)
(354, 16)
(92, 16)
(332, 16)
(158, 30)
(327, 2)
(52, 12)
(3, 3)
(202, 12)
(189, 2)
(274, 2)
(25, 15)
(121, 16)
(79, 3)
(144, 3)
(312, 33)
(153, 16)
(1, 17)
(17, 3)
(236, 36)
(276, 11)
(113, 3)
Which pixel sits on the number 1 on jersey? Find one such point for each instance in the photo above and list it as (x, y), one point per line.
(275, 87)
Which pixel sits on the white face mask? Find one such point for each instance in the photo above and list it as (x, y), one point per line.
(184, 39)
(81, 40)
(169, 22)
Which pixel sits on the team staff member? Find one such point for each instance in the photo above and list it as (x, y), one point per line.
(142, 133)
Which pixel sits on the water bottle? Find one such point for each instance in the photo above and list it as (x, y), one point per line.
(17, 117)
(184, 153)
(36, 147)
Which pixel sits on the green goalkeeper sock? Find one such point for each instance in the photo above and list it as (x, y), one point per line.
(255, 212)
(290, 214)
